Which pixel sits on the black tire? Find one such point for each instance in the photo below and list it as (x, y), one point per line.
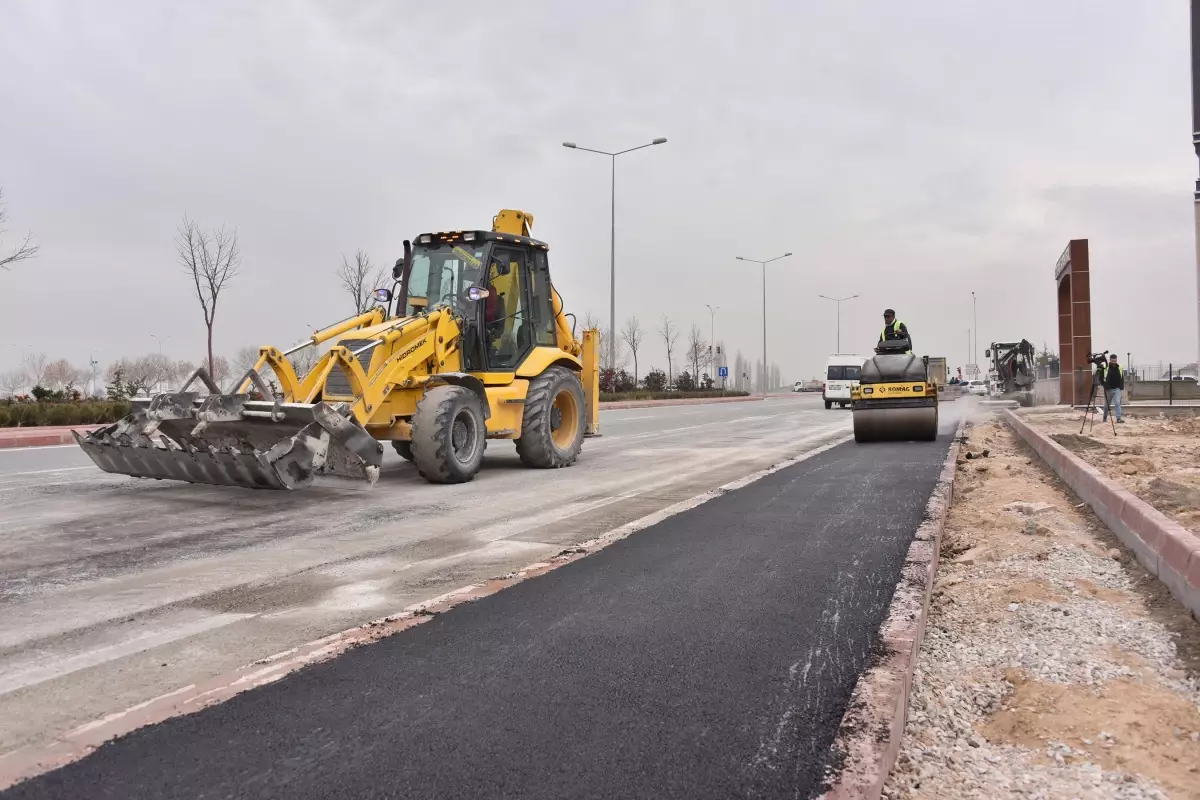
(549, 438)
(448, 435)
(828, 404)
(403, 449)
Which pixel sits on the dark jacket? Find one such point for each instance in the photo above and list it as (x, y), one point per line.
(1113, 377)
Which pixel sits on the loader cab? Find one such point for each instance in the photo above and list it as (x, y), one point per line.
(516, 315)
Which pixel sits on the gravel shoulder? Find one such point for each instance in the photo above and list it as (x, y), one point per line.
(1156, 458)
(1053, 666)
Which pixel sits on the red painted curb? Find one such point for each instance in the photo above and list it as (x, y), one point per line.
(1163, 546)
(872, 729)
(41, 436)
(618, 405)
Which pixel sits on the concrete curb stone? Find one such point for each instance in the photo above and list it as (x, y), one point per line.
(1164, 547)
(872, 729)
(41, 436)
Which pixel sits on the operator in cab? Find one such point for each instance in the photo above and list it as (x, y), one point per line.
(894, 329)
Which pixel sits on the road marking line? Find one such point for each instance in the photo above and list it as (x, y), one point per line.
(35, 447)
(40, 472)
(35, 674)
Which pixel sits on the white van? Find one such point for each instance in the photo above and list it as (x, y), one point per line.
(842, 373)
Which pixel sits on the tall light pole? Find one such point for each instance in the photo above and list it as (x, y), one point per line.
(1196, 136)
(975, 327)
(839, 301)
(612, 243)
(765, 380)
(155, 335)
(712, 337)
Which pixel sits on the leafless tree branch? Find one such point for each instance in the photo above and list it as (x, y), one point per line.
(360, 280)
(633, 335)
(211, 259)
(27, 249)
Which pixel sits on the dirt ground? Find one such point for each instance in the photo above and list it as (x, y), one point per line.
(1053, 665)
(1157, 458)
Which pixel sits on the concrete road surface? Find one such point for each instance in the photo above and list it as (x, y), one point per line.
(709, 655)
(115, 590)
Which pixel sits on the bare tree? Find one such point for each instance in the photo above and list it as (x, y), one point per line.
(179, 372)
(632, 334)
(211, 259)
(360, 280)
(26, 249)
(304, 360)
(221, 371)
(35, 367)
(13, 381)
(60, 374)
(697, 351)
(670, 335)
(245, 358)
(608, 358)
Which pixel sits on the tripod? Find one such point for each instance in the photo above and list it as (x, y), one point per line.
(1093, 407)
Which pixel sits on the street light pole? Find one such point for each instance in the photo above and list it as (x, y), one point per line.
(612, 243)
(765, 380)
(1196, 136)
(975, 327)
(712, 337)
(839, 301)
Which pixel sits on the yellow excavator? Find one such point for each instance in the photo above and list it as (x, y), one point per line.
(470, 343)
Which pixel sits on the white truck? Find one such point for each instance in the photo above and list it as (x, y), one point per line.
(842, 373)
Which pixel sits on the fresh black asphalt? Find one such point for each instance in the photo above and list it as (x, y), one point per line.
(709, 656)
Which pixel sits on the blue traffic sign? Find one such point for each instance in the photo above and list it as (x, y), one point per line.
(722, 372)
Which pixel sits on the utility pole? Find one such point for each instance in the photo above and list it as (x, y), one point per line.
(612, 244)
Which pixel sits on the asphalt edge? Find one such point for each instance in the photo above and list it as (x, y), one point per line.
(868, 739)
(1165, 548)
(32, 760)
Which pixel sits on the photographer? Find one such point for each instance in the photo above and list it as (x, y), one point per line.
(1114, 383)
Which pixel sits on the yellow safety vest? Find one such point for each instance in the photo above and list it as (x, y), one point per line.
(895, 326)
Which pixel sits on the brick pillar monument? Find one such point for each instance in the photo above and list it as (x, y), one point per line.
(1074, 322)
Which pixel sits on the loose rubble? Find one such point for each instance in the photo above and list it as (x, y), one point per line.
(1047, 669)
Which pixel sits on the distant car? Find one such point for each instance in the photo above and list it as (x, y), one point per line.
(977, 388)
(798, 386)
(1188, 378)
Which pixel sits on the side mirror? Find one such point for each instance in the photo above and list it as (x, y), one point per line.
(987, 353)
(398, 270)
(474, 293)
(383, 296)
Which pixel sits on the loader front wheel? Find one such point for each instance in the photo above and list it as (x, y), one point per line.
(552, 426)
(448, 435)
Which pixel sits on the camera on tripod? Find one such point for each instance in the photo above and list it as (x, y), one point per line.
(1099, 359)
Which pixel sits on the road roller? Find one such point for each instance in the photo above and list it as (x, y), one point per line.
(895, 400)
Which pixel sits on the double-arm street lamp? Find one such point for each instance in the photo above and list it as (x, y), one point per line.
(765, 380)
(839, 301)
(612, 245)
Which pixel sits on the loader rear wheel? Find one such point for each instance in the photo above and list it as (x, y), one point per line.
(448, 435)
(403, 449)
(552, 427)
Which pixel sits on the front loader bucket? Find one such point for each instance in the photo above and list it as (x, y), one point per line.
(231, 440)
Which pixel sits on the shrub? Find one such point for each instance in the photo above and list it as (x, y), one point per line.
(655, 380)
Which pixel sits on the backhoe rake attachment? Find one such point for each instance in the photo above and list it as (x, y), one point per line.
(234, 440)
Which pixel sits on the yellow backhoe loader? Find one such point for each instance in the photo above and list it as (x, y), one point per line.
(470, 343)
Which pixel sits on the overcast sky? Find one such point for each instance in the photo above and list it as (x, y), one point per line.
(907, 152)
